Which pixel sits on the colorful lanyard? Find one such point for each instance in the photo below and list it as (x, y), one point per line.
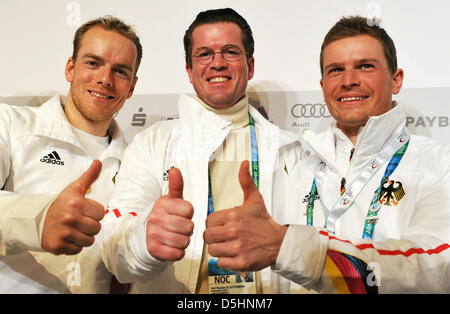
(254, 159)
(395, 149)
(375, 205)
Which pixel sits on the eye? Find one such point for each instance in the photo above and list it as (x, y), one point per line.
(203, 53)
(231, 52)
(366, 66)
(335, 70)
(121, 72)
(91, 63)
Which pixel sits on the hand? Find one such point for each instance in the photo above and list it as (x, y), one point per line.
(169, 225)
(244, 237)
(72, 220)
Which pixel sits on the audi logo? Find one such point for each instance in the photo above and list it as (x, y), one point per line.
(310, 111)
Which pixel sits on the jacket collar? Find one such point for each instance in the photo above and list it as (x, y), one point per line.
(370, 140)
(118, 143)
(190, 109)
(52, 122)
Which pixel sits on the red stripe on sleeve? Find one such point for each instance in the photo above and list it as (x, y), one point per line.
(116, 212)
(407, 253)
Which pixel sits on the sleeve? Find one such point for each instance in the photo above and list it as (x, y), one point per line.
(123, 236)
(417, 262)
(283, 209)
(21, 216)
(21, 221)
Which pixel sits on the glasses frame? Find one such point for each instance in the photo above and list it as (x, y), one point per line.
(213, 54)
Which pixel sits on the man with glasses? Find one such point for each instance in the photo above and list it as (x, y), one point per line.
(177, 173)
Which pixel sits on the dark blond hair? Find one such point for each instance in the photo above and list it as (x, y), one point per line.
(109, 23)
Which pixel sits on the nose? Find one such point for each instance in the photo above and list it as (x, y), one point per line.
(105, 76)
(350, 78)
(218, 62)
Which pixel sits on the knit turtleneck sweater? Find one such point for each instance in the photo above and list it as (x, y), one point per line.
(224, 169)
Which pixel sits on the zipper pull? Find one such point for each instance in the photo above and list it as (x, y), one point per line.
(351, 154)
(343, 181)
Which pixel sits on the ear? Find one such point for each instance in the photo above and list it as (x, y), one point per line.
(397, 81)
(70, 66)
(321, 86)
(189, 72)
(130, 93)
(251, 68)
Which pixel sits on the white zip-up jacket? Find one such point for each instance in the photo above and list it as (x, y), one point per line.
(187, 143)
(410, 248)
(40, 155)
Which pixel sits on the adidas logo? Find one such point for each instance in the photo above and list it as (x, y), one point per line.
(166, 174)
(53, 158)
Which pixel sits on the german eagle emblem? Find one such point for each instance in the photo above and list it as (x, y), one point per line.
(391, 193)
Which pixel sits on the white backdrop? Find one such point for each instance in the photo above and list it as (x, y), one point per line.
(37, 36)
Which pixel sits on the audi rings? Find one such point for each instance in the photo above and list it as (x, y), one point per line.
(310, 111)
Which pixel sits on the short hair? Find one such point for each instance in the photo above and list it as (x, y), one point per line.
(357, 25)
(217, 16)
(109, 23)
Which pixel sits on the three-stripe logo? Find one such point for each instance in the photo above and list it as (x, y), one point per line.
(53, 158)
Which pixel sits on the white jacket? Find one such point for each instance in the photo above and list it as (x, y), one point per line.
(410, 250)
(187, 143)
(40, 155)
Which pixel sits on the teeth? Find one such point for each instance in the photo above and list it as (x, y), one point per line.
(98, 95)
(352, 98)
(218, 79)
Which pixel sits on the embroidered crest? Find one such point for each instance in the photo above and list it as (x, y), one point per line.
(391, 193)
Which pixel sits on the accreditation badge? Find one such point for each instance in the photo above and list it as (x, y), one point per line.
(224, 281)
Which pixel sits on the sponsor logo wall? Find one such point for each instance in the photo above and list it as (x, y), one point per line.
(428, 110)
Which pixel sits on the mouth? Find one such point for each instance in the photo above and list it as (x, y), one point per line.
(100, 95)
(219, 79)
(352, 98)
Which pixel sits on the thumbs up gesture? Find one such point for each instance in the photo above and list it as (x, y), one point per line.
(244, 237)
(72, 220)
(169, 225)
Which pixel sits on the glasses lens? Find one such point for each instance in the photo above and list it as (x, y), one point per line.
(231, 54)
(205, 56)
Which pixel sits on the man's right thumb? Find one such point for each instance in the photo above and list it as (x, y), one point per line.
(83, 183)
(175, 183)
(246, 181)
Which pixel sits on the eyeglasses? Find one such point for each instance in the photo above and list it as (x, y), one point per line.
(206, 56)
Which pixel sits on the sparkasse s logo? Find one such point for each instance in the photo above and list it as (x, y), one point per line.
(139, 119)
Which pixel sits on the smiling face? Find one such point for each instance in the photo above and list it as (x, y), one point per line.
(102, 78)
(220, 84)
(357, 82)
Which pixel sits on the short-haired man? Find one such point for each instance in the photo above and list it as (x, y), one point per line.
(376, 200)
(216, 131)
(50, 201)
